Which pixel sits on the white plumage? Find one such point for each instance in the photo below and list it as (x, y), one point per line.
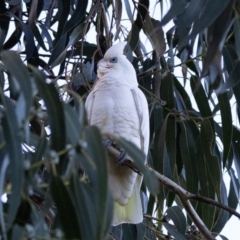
(119, 108)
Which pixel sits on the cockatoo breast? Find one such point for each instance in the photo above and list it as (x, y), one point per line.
(115, 114)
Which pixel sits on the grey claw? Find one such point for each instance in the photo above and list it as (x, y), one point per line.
(122, 157)
(107, 143)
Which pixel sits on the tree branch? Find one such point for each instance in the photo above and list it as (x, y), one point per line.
(200, 198)
(184, 197)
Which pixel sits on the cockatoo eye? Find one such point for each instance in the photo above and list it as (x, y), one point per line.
(113, 60)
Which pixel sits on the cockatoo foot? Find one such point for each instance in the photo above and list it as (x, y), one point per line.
(107, 143)
(122, 157)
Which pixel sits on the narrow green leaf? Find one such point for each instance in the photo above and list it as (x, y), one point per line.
(176, 215)
(153, 30)
(82, 196)
(118, 15)
(183, 93)
(3, 171)
(230, 57)
(233, 195)
(72, 124)
(63, 13)
(207, 189)
(129, 231)
(171, 142)
(159, 146)
(13, 39)
(17, 232)
(187, 147)
(201, 99)
(138, 157)
(37, 35)
(223, 237)
(216, 35)
(233, 80)
(176, 8)
(146, 81)
(189, 15)
(208, 170)
(21, 74)
(172, 230)
(128, 10)
(95, 151)
(236, 32)
(59, 57)
(65, 207)
(133, 37)
(209, 14)
(226, 115)
(167, 93)
(14, 151)
(207, 137)
(236, 151)
(58, 52)
(55, 113)
(77, 16)
(223, 215)
(40, 150)
(75, 35)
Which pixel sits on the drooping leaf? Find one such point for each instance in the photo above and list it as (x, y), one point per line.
(233, 195)
(171, 142)
(77, 16)
(72, 125)
(207, 142)
(3, 171)
(201, 99)
(133, 37)
(63, 12)
(176, 215)
(188, 150)
(153, 30)
(20, 73)
(118, 15)
(172, 230)
(66, 210)
(226, 115)
(208, 171)
(236, 27)
(176, 8)
(223, 215)
(104, 206)
(82, 195)
(14, 151)
(55, 113)
(216, 35)
(128, 9)
(129, 231)
(138, 158)
(209, 13)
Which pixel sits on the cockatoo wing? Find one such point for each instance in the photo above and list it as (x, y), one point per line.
(89, 106)
(132, 210)
(142, 110)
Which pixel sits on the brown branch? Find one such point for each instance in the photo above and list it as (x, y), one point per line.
(200, 198)
(184, 197)
(178, 189)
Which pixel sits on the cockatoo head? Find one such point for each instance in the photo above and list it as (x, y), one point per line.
(115, 64)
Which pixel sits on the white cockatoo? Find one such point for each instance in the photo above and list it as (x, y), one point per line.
(119, 108)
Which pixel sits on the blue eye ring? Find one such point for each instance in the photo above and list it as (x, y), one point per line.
(113, 60)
